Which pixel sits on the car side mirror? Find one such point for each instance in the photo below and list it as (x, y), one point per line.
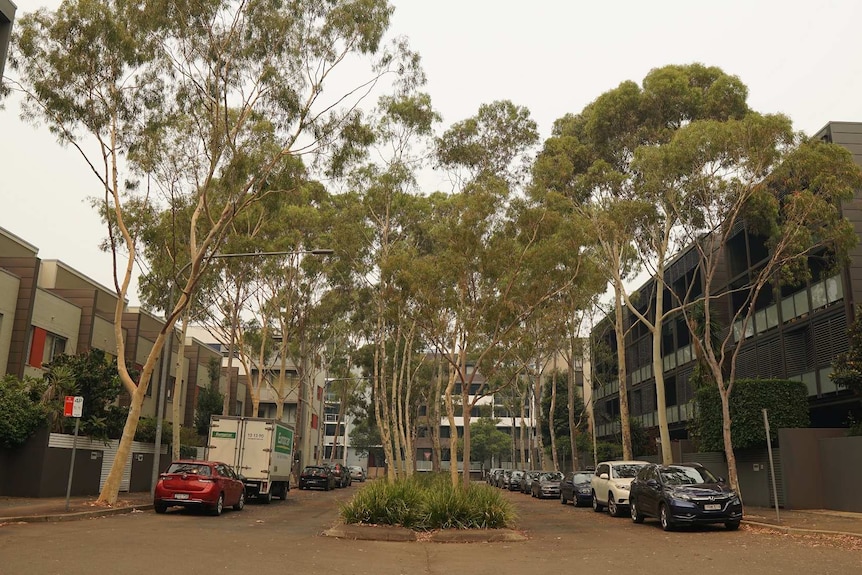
(652, 483)
(721, 480)
(604, 476)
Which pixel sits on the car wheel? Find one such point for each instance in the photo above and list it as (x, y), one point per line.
(219, 505)
(597, 507)
(563, 499)
(241, 503)
(160, 507)
(613, 508)
(635, 512)
(731, 525)
(266, 498)
(664, 518)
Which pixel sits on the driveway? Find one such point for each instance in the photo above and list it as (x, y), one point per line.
(285, 537)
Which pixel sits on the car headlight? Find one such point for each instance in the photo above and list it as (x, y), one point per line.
(735, 500)
(623, 486)
(681, 496)
(585, 490)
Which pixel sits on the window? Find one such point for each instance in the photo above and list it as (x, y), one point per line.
(319, 393)
(313, 421)
(44, 347)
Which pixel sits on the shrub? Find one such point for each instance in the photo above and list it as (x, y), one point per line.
(429, 501)
(21, 410)
(786, 403)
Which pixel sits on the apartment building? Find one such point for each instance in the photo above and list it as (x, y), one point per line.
(48, 308)
(795, 334)
(7, 16)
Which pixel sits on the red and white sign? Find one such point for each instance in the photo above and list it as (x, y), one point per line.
(73, 405)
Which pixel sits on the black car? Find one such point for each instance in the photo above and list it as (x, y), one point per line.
(683, 494)
(317, 476)
(576, 488)
(515, 480)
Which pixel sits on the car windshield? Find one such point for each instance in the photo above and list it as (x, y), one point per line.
(552, 476)
(582, 477)
(517, 474)
(686, 476)
(313, 471)
(626, 470)
(191, 468)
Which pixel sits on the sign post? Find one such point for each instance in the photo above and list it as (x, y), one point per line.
(72, 407)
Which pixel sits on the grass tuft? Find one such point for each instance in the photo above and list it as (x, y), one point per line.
(429, 501)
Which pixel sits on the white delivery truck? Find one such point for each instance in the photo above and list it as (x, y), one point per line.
(261, 450)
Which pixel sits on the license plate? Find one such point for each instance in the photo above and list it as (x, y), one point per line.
(181, 496)
(712, 506)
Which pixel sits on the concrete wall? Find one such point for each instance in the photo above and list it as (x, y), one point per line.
(800, 454)
(841, 467)
(8, 300)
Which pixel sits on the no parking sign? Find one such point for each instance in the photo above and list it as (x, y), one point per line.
(73, 406)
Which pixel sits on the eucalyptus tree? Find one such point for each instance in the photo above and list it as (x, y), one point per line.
(593, 157)
(227, 90)
(379, 228)
(498, 260)
(754, 176)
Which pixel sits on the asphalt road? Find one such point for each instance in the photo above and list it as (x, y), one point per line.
(284, 537)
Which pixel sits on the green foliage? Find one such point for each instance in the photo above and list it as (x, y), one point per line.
(21, 410)
(486, 441)
(210, 402)
(560, 421)
(146, 431)
(847, 366)
(94, 376)
(429, 501)
(786, 403)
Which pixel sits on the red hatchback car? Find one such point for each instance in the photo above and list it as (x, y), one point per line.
(208, 485)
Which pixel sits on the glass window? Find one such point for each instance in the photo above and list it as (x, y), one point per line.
(800, 302)
(834, 289)
(818, 295)
(788, 311)
(771, 316)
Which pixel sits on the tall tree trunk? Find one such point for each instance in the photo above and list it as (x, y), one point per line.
(234, 320)
(570, 382)
(551, 421)
(658, 370)
(176, 426)
(621, 367)
(540, 442)
(466, 406)
(525, 438)
(435, 415)
(453, 430)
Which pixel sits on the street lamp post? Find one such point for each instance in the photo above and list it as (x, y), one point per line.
(168, 348)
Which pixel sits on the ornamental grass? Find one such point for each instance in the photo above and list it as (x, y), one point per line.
(429, 501)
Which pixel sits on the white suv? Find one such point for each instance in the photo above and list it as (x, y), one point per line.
(610, 485)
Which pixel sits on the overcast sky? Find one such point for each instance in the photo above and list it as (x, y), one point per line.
(801, 58)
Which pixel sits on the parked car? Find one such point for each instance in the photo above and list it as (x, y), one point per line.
(342, 475)
(491, 478)
(209, 485)
(576, 487)
(319, 476)
(357, 473)
(547, 484)
(610, 485)
(683, 494)
(515, 479)
(527, 480)
(503, 479)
